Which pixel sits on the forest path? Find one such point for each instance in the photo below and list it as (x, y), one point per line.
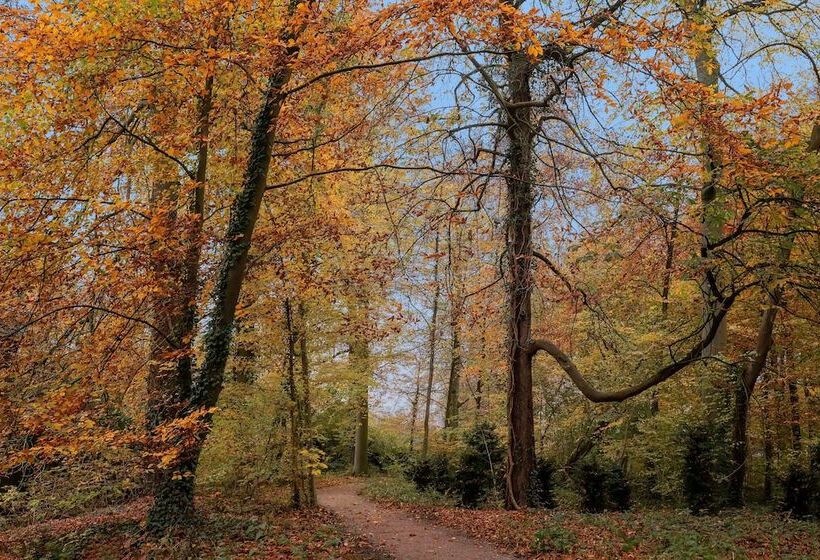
(402, 536)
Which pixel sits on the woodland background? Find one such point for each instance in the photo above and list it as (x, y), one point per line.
(502, 254)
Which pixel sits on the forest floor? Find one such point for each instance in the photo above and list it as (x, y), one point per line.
(566, 534)
(384, 517)
(255, 525)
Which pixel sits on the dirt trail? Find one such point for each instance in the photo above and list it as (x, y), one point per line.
(404, 537)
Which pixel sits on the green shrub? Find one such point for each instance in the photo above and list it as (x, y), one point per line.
(553, 538)
(541, 484)
(480, 469)
(399, 489)
(477, 474)
(603, 487)
(385, 451)
(698, 480)
(617, 488)
(592, 485)
(432, 472)
(799, 492)
(338, 449)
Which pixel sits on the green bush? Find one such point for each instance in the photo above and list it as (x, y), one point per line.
(399, 489)
(338, 449)
(480, 471)
(553, 538)
(477, 474)
(603, 487)
(541, 484)
(432, 472)
(698, 480)
(800, 492)
(617, 489)
(592, 484)
(385, 451)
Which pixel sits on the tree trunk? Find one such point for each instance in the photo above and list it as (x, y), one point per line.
(193, 256)
(169, 380)
(164, 386)
(414, 409)
(173, 488)
(521, 439)
(707, 70)
(740, 419)
(361, 466)
(360, 362)
(305, 410)
(431, 369)
(794, 409)
(451, 411)
(303, 492)
(654, 400)
(745, 388)
(752, 372)
(173, 502)
(768, 446)
(748, 380)
(456, 307)
(668, 264)
(295, 443)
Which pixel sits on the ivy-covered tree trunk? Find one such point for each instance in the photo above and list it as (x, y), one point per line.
(451, 410)
(520, 133)
(174, 494)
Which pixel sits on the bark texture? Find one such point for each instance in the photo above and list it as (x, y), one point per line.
(520, 133)
(414, 409)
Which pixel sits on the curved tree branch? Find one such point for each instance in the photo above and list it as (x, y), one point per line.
(694, 355)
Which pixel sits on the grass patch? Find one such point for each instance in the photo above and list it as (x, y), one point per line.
(400, 490)
(554, 537)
